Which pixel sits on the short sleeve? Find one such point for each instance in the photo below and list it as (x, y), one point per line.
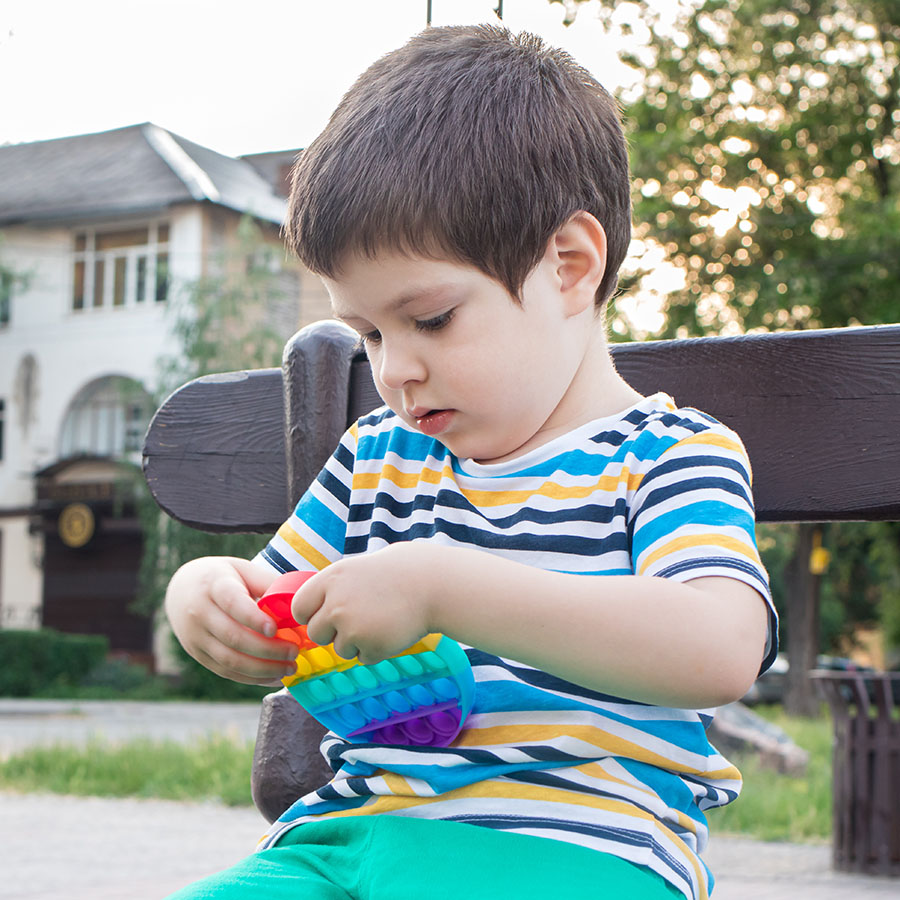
(692, 516)
(313, 537)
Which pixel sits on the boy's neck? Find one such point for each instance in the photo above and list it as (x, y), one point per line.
(598, 391)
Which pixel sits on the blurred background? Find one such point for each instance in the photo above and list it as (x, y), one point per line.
(144, 152)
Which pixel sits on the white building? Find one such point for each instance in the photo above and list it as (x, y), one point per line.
(99, 234)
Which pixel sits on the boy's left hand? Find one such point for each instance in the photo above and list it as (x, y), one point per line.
(371, 606)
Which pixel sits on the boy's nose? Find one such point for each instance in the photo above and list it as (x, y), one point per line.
(399, 365)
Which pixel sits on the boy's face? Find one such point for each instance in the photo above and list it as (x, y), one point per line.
(457, 358)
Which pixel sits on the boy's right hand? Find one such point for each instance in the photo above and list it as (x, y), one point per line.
(211, 606)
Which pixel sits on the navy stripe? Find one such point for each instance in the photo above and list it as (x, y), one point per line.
(572, 545)
(344, 455)
(276, 560)
(705, 562)
(594, 513)
(679, 464)
(337, 488)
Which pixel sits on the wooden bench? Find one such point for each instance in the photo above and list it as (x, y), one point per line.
(819, 412)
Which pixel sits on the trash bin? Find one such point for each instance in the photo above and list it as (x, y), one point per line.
(865, 707)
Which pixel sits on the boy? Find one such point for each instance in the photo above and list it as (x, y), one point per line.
(468, 208)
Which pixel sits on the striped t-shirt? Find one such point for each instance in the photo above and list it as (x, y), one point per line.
(654, 491)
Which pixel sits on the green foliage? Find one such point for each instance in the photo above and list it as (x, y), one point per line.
(35, 661)
(860, 586)
(225, 321)
(214, 768)
(863, 579)
(776, 807)
(765, 145)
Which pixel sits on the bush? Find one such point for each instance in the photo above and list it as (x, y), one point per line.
(34, 660)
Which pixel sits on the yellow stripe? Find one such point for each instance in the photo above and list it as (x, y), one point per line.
(699, 540)
(596, 771)
(303, 547)
(408, 480)
(371, 480)
(398, 785)
(607, 744)
(493, 789)
(710, 438)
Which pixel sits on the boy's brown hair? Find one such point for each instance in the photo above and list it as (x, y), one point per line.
(467, 143)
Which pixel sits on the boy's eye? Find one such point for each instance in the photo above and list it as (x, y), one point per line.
(435, 324)
(370, 337)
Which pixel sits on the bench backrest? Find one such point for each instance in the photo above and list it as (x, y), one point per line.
(819, 412)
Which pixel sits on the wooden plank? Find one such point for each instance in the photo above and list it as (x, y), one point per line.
(214, 453)
(819, 412)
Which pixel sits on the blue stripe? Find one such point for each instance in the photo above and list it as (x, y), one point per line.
(712, 514)
(321, 520)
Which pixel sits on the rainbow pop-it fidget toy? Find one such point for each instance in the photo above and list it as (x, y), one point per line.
(420, 697)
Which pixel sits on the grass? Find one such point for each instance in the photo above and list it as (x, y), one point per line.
(775, 807)
(216, 768)
(772, 807)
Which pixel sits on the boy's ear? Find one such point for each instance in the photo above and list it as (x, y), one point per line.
(578, 250)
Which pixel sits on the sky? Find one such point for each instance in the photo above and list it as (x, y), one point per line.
(238, 76)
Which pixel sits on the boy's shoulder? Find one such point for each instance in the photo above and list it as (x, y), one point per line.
(660, 428)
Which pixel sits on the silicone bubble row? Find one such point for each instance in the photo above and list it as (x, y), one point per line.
(409, 699)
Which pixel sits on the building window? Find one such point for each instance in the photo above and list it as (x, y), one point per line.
(116, 269)
(108, 417)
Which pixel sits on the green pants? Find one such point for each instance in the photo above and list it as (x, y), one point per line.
(398, 858)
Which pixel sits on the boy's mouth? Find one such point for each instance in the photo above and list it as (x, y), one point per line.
(433, 421)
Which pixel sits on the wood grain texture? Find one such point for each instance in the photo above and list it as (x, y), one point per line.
(819, 412)
(214, 455)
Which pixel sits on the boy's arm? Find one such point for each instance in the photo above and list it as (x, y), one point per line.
(211, 607)
(694, 644)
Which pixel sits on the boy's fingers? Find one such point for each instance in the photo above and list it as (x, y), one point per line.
(224, 628)
(230, 595)
(307, 601)
(321, 631)
(257, 578)
(237, 667)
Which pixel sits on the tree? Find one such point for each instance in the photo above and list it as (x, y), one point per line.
(765, 140)
(226, 321)
(765, 148)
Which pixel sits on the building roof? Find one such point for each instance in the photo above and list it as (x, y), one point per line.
(275, 167)
(135, 170)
